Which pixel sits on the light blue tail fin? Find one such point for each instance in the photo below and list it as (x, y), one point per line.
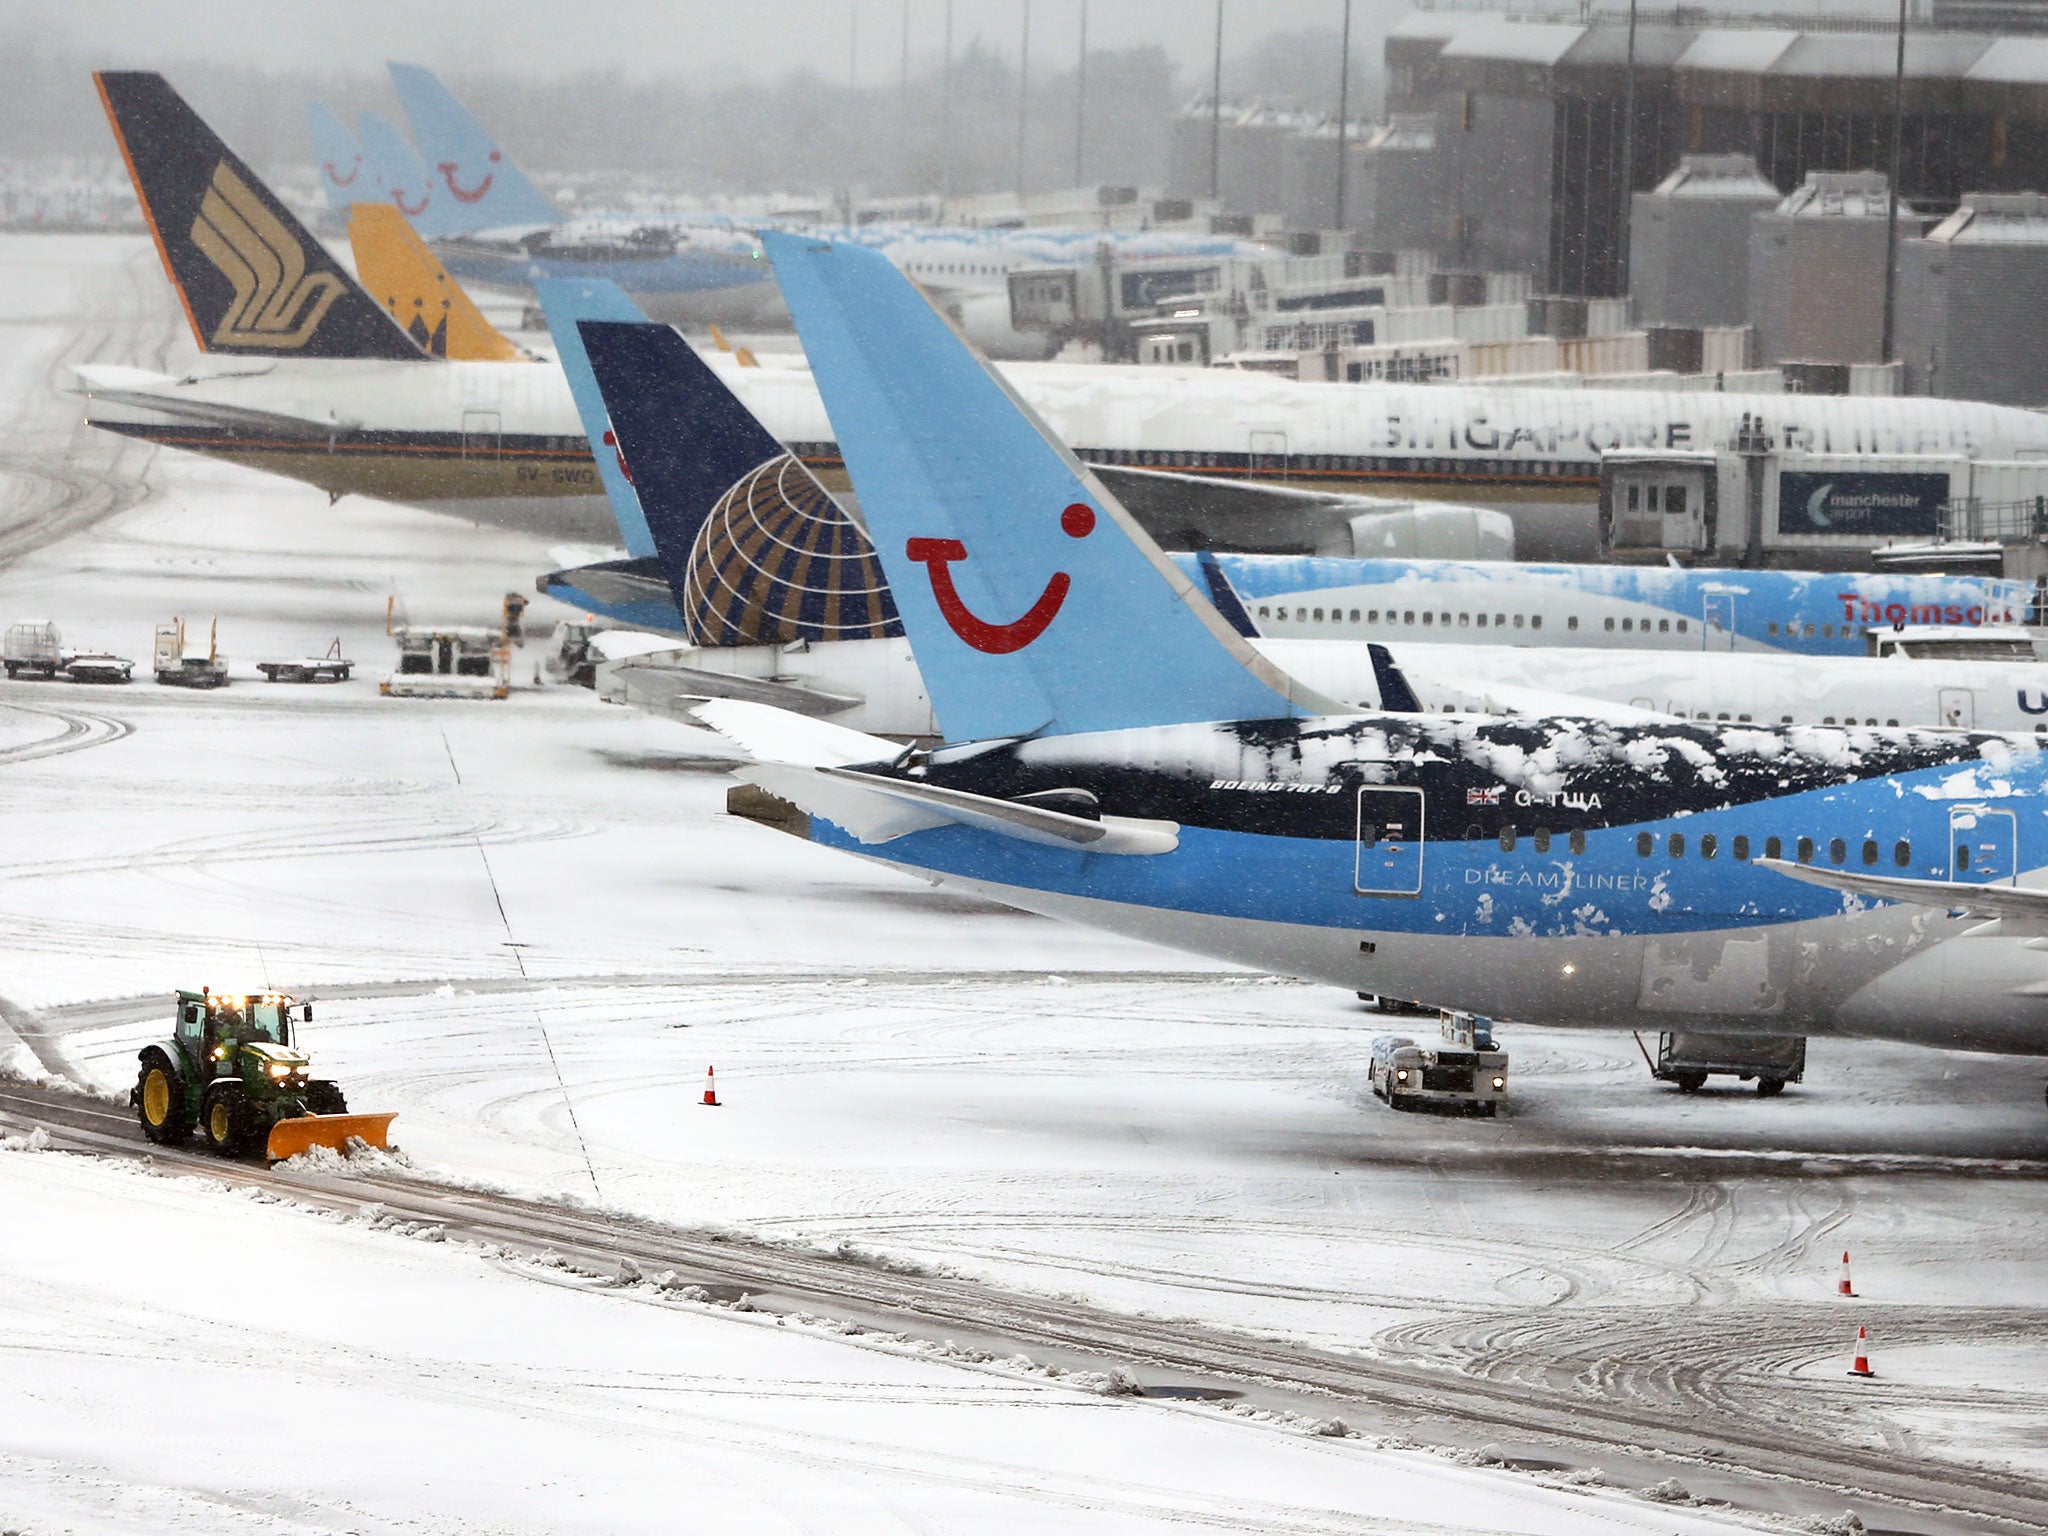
(486, 190)
(566, 301)
(342, 178)
(1034, 602)
(398, 176)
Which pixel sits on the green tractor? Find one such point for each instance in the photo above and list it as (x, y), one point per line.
(233, 1069)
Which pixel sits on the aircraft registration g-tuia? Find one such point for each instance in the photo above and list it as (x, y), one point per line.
(1117, 755)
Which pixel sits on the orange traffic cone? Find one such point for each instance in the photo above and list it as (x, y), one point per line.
(711, 1087)
(1862, 1365)
(1845, 1288)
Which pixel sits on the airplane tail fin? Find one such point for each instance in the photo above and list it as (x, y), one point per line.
(340, 158)
(252, 280)
(485, 190)
(565, 301)
(1033, 600)
(399, 177)
(402, 274)
(756, 550)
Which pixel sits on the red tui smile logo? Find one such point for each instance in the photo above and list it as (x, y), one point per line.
(336, 177)
(411, 212)
(448, 168)
(937, 557)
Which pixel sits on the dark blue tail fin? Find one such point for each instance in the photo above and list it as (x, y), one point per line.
(755, 549)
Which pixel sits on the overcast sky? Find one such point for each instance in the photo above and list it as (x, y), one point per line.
(707, 37)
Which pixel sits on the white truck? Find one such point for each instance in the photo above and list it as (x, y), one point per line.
(180, 663)
(1462, 1069)
(33, 646)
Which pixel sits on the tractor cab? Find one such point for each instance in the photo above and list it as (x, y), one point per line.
(213, 1026)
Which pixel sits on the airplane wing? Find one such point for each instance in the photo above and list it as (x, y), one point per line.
(816, 774)
(677, 691)
(2012, 903)
(154, 392)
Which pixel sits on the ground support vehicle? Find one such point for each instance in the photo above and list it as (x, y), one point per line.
(1690, 1059)
(232, 1068)
(98, 667)
(1462, 1069)
(34, 647)
(179, 665)
(331, 668)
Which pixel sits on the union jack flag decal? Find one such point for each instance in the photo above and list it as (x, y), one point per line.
(1483, 796)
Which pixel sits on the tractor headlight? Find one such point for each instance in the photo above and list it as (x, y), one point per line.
(220, 1053)
(280, 1069)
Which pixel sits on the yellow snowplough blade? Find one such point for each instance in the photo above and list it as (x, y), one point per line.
(288, 1138)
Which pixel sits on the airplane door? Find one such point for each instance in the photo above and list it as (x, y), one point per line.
(1389, 860)
(1268, 455)
(1983, 844)
(1717, 622)
(481, 436)
(1958, 708)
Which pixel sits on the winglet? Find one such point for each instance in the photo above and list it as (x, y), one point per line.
(1033, 600)
(253, 282)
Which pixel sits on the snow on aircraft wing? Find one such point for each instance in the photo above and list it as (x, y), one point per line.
(2008, 902)
(154, 392)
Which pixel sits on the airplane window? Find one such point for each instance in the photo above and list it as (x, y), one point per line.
(1739, 849)
(1838, 851)
(1681, 626)
(1676, 847)
(1542, 839)
(1427, 616)
(1500, 621)
(1482, 621)
(1447, 621)
(1827, 631)
(1962, 858)
(1464, 621)
(1809, 631)
(1722, 716)
(1663, 626)
(1870, 850)
(1319, 615)
(1709, 845)
(1891, 722)
(1407, 616)
(1507, 838)
(1772, 627)
(1518, 621)
(1475, 833)
(1806, 850)
(1578, 840)
(1784, 719)
(1354, 615)
(1373, 617)
(1570, 623)
(1628, 626)
(1610, 624)
(1774, 848)
(1644, 843)
(1535, 621)
(1743, 718)
(1902, 853)
(1827, 719)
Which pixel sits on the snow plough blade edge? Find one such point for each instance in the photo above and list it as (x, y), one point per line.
(288, 1138)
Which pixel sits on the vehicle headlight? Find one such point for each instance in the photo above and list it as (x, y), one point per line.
(1499, 1083)
(1401, 1076)
(280, 1069)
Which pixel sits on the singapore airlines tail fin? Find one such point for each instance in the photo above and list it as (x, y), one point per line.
(756, 550)
(403, 275)
(340, 158)
(253, 282)
(484, 188)
(1034, 602)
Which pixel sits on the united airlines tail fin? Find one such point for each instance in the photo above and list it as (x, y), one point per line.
(403, 275)
(566, 301)
(252, 280)
(487, 190)
(1034, 602)
(340, 159)
(756, 550)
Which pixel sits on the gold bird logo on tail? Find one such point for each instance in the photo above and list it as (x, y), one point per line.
(277, 303)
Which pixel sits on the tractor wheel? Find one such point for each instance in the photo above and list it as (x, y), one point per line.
(160, 1102)
(325, 1098)
(228, 1119)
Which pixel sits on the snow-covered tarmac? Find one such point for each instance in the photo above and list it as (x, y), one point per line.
(531, 930)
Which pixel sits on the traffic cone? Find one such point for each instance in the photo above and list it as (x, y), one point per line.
(1844, 1288)
(711, 1087)
(1862, 1365)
